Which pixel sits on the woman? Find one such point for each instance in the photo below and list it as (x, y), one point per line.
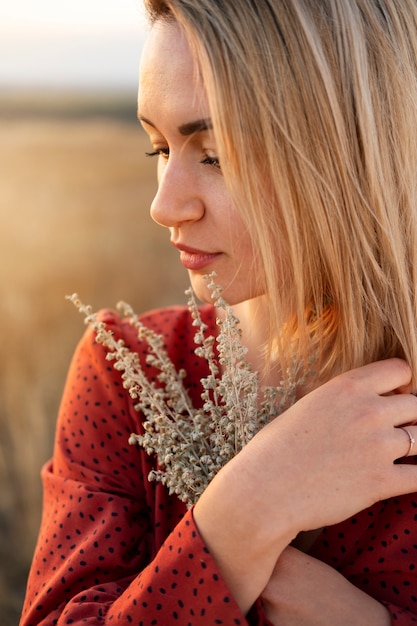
(285, 134)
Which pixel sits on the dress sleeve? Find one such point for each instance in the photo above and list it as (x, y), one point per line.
(376, 550)
(400, 616)
(114, 548)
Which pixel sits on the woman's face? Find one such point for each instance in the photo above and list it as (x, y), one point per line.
(192, 199)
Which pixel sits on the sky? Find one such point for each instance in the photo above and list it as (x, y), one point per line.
(69, 43)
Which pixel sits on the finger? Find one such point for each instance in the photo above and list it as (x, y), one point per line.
(408, 388)
(408, 441)
(402, 408)
(384, 376)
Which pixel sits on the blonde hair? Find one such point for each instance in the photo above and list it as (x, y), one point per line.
(314, 106)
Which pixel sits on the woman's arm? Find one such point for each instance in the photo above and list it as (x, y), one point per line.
(113, 547)
(329, 456)
(303, 591)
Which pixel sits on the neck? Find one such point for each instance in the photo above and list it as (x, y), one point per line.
(254, 325)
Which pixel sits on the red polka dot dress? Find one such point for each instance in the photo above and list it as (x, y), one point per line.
(114, 548)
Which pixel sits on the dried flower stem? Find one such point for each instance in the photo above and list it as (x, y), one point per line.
(191, 445)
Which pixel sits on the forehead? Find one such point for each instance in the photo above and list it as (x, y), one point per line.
(167, 68)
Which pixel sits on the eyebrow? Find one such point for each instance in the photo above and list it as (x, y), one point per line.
(188, 129)
(198, 126)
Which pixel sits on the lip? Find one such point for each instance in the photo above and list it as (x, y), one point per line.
(194, 259)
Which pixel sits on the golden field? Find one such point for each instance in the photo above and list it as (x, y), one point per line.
(75, 190)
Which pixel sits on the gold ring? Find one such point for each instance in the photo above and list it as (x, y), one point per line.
(411, 438)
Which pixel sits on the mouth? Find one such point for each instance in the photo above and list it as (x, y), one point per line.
(194, 259)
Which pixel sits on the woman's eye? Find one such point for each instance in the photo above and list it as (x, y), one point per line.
(163, 152)
(208, 160)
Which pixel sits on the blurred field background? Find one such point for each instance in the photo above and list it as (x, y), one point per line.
(75, 190)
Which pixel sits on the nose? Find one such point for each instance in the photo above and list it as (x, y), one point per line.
(178, 199)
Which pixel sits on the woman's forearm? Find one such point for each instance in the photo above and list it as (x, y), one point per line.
(229, 518)
(304, 591)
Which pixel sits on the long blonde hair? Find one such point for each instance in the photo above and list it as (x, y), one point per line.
(314, 106)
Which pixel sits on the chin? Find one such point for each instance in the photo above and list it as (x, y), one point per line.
(233, 294)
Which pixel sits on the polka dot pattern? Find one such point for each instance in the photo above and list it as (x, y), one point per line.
(377, 551)
(114, 548)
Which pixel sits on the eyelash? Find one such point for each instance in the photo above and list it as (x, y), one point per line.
(159, 152)
(214, 161)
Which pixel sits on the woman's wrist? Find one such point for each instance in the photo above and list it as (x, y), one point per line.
(233, 521)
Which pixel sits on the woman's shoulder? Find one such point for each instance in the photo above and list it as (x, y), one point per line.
(175, 325)
(95, 372)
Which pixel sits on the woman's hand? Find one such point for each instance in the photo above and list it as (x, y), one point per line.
(326, 458)
(303, 591)
(332, 454)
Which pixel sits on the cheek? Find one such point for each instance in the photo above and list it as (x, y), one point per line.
(240, 236)
(160, 170)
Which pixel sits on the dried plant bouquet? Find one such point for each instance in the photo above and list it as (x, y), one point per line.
(192, 444)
